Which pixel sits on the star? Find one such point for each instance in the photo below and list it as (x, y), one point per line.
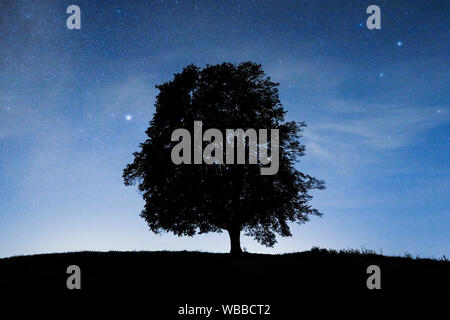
(399, 43)
(381, 74)
(128, 117)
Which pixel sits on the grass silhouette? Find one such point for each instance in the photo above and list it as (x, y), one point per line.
(177, 278)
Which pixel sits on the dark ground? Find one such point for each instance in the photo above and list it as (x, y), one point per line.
(168, 280)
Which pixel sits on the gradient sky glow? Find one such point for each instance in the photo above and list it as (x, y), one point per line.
(74, 105)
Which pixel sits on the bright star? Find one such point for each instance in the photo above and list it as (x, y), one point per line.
(381, 74)
(399, 43)
(128, 117)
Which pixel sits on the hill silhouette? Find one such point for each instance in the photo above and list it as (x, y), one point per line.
(173, 279)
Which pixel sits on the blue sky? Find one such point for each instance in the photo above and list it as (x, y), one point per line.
(74, 105)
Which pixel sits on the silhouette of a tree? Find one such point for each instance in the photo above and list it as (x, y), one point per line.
(198, 198)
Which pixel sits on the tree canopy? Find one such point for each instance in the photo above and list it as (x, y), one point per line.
(198, 198)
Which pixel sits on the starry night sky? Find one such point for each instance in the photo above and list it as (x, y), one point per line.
(74, 105)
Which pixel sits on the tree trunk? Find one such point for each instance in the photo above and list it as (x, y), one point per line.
(235, 241)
